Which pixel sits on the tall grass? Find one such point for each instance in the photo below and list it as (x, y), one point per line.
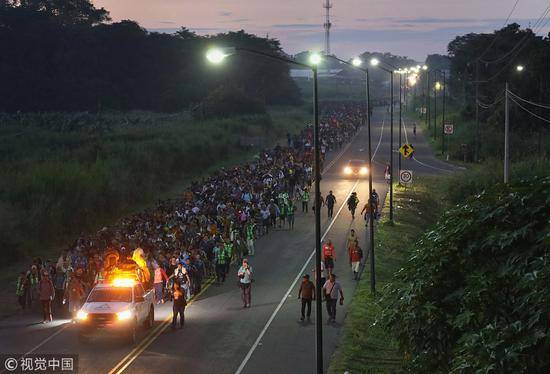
(62, 174)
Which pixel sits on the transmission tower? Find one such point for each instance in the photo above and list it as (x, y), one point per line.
(327, 5)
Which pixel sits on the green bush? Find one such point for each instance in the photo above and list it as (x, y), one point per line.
(474, 295)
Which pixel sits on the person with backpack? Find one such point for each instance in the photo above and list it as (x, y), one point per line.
(245, 283)
(352, 204)
(355, 255)
(331, 289)
(330, 201)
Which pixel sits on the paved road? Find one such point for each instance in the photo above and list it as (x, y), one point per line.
(222, 337)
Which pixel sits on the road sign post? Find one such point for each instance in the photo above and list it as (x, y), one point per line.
(405, 176)
(406, 150)
(449, 129)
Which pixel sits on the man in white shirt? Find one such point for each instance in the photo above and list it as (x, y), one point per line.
(245, 282)
(331, 289)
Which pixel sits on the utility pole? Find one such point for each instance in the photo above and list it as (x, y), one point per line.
(443, 124)
(327, 25)
(428, 100)
(506, 136)
(435, 108)
(476, 140)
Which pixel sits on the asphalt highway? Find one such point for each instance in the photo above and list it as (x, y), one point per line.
(222, 337)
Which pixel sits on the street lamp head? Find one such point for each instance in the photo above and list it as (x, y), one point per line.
(424, 67)
(356, 62)
(412, 80)
(315, 59)
(374, 61)
(217, 55)
(520, 68)
(437, 86)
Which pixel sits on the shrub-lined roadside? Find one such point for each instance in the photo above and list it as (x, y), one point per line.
(365, 347)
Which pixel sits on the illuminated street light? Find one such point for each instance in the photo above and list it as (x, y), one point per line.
(315, 59)
(374, 61)
(438, 86)
(520, 68)
(217, 55)
(412, 80)
(425, 67)
(356, 62)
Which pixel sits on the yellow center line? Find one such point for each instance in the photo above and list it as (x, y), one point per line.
(146, 342)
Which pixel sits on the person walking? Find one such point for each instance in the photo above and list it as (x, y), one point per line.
(330, 201)
(220, 260)
(46, 293)
(250, 230)
(329, 256)
(178, 307)
(306, 293)
(158, 278)
(74, 293)
(414, 129)
(387, 173)
(355, 255)
(291, 211)
(305, 200)
(245, 283)
(21, 290)
(331, 289)
(352, 204)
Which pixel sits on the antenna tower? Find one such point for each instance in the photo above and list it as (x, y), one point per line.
(327, 5)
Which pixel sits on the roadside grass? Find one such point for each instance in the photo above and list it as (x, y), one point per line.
(62, 174)
(365, 346)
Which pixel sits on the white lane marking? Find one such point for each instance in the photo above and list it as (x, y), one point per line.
(300, 274)
(379, 140)
(44, 341)
(405, 130)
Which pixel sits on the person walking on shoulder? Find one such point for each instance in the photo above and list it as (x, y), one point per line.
(329, 256)
(355, 255)
(290, 216)
(46, 292)
(330, 201)
(331, 290)
(305, 200)
(306, 293)
(245, 283)
(352, 204)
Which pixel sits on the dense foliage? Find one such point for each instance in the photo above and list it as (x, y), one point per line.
(65, 56)
(227, 101)
(475, 291)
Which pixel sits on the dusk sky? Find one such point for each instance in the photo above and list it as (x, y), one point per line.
(404, 27)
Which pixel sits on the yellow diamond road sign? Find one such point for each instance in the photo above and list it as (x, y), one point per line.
(406, 150)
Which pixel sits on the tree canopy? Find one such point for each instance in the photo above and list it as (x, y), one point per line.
(65, 55)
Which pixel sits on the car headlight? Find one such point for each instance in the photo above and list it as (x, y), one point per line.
(364, 170)
(347, 170)
(124, 315)
(81, 315)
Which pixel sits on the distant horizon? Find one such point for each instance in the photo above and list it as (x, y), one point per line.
(394, 26)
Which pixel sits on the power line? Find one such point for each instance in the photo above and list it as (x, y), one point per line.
(497, 35)
(487, 106)
(528, 102)
(528, 111)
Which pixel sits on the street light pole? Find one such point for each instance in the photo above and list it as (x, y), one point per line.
(443, 123)
(318, 304)
(435, 112)
(216, 56)
(400, 118)
(391, 146)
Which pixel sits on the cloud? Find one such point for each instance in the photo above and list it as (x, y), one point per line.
(224, 14)
(296, 25)
(435, 20)
(167, 22)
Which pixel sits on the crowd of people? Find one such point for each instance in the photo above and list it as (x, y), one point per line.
(214, 225)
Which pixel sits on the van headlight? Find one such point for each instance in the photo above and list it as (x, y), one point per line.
(347, 170)
(124, 315)
(364, 170)
(81, 315)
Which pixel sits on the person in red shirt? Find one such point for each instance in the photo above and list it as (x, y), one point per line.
(329, 256)
(355, 255)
